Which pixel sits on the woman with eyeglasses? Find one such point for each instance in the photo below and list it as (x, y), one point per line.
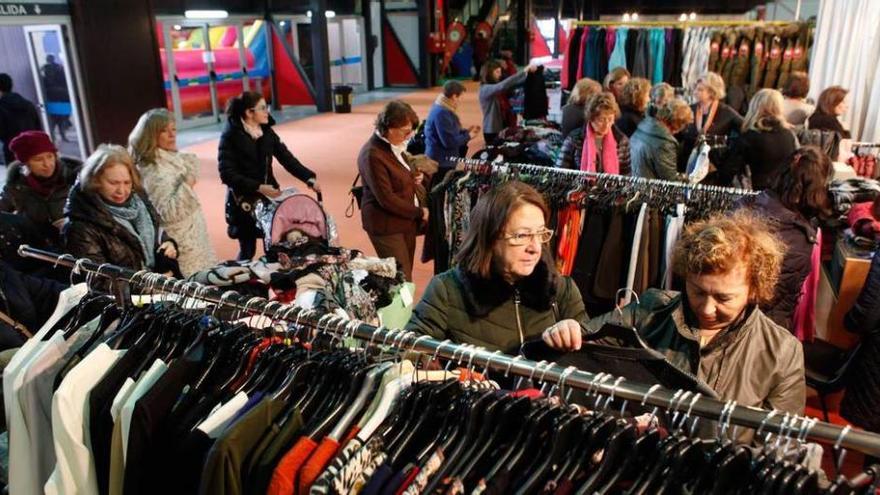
(247, 147)
(504, 289)
(391, 212)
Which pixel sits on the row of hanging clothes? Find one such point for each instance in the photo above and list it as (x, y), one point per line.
(759, 56)
(612, 231)
(864, 159)
(653, 53)
(748, 57)
(169, 399)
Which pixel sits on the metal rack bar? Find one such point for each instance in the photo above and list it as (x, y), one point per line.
(565, 378)
(709, 23)
(481, 166)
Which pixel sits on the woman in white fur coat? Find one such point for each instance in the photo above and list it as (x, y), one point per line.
(168, 177)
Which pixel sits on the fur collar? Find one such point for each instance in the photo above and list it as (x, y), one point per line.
(481, 295)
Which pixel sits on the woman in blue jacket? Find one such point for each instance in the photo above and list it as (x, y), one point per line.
(445, 139)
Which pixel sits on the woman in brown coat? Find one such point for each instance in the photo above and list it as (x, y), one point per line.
(390, 211)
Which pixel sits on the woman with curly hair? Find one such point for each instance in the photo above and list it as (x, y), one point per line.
(633, 103)
(715, 329)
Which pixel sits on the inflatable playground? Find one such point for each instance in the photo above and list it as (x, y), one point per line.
(191, 58)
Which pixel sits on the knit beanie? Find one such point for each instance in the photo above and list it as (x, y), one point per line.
(31, 143)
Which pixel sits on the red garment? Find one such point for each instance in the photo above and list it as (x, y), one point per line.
(284, 477)
(531, 393)
(569, 236)
(353, 432)
(506, 108)
(610, 40)
(313, 468)
(31, 143)
(45, 187)
(580, 68)
(410, 477)
(862, 220)
(252, 360)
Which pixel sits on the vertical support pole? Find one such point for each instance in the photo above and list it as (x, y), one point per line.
(321, 56)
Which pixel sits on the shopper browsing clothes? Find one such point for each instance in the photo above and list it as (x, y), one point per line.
(37, 184)
(504, 288)
(497, 112)
(390, 210)
(653, 147)
(111, 220)
(168, 177)
(715, 329)
(247, 146)
(598, 146)
(445, 138)
(798, 200)
(573, 111)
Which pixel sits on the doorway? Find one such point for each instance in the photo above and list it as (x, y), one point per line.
(41, 62)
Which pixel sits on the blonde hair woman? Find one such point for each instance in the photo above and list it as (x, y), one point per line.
(573, 112)
(168, 177)
(763, 147)
(111, 220)
(712, 117)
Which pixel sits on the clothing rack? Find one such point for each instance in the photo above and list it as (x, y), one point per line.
(566, 379)
(483, 167)
(676, 23)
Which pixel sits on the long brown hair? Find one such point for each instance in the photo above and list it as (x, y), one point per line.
(488, 220)
(803, 184)
(830, 98)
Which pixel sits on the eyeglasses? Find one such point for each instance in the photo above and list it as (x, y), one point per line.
(261, 108)
(523, 238)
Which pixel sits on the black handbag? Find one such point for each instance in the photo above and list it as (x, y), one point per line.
(357, 193)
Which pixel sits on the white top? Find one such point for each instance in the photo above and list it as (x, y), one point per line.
(20, 478)
(74, 472)
(214, 425)
(398, 153)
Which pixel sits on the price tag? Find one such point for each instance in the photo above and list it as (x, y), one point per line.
(406, 296)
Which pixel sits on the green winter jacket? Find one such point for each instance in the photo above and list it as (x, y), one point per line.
(653, 152)
(491, 313)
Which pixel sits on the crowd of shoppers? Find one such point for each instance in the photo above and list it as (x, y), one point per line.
(742, 273)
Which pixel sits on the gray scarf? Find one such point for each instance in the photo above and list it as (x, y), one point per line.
(134, 216)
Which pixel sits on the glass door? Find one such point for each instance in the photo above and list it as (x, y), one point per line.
(189, 62)
(56, 91)
(228, 65)
(347, 45)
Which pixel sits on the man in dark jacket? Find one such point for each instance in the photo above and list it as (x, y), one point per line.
(16, 115)
(444, 136)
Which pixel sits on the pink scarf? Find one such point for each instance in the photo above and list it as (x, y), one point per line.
(610, 164)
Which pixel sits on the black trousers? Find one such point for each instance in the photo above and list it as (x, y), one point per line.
(247, 248)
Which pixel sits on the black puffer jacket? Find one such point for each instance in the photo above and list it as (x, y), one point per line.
(765, 152)
(91, 231)
(17, 114)
(799, 237)
(19, 197)
(861, 401)
(245, 164)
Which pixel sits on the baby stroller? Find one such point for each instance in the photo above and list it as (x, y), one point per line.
(295, 211)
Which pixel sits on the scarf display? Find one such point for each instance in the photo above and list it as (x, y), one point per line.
(134, 216)
(610, 162)
(254, 131)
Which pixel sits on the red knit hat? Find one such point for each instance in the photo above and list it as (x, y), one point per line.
(31, 143)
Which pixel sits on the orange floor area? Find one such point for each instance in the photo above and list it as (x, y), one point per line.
(329, 145)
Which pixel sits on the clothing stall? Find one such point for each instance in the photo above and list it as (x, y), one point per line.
(317, 403)
(596, 217)
(749, 55)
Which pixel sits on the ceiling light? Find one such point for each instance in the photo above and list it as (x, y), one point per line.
(178, 27)
(693, 16)
(330, 14)
(635, 16)
(309, 14)
(626, 17)
(282, 23)
(206, 14)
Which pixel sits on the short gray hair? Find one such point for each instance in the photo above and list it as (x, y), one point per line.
(714, 83)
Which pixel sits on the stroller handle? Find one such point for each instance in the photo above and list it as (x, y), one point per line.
(320, 198)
